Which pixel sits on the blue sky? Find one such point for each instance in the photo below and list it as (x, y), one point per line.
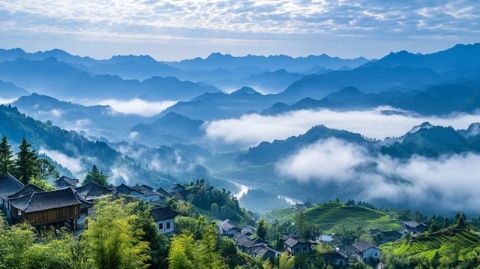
(177, 29)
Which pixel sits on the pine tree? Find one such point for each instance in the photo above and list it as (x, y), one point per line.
(6, 157)
(95, 175)
(26, 164)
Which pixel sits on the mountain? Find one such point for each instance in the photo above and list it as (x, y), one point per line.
(59, 79)
(460, 60)
(220, 105)
(442, 99)
(9, 90)
(267, 152)
(271, 81)
(60, 55)
(92, 121)
(268, 63)
(74, 151)
(431, 141)
(133, 67)
(169, 129)
(368, 79)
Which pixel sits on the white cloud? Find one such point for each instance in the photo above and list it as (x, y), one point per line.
(73, 164)
(315, 161)
(447, 183)
(137, 106)
(253, 128)
(6, 101)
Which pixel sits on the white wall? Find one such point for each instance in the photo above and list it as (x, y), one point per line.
(166, 226)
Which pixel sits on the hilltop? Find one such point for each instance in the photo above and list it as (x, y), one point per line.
(331, 217)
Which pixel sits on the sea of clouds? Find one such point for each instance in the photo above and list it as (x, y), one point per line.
(448, 183)
(251, 129)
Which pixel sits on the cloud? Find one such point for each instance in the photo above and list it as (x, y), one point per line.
(73, 164)
(448, 183)
(6, 101)
(347, 157)
(235, 23)
(252, 129)
(137, 106)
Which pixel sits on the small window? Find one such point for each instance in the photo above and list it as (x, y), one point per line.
(168, 225)
(161, 226)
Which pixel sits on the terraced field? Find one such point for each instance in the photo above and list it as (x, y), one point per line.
(333, 215)
(427, 245)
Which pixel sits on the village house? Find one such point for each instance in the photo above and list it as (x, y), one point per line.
(264, 252)
(57, 207)
(65, 182)
(164, 216)
(366, 251)
(163, 192)
(388, 236)
(143, 192)
(335, 259)
(255, 247)
(296, 246)
(93, 191)
(8, 186)
(414, 227)
(228, 229)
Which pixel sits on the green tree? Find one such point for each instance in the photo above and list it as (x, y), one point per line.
(158, 243)
(42, 183)
(262, 229)
(6, 157)
(26, 164)
(286, 262)
(46, 169)
(95, 175)
(113, 240)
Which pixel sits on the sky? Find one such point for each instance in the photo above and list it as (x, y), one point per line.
(176, 29)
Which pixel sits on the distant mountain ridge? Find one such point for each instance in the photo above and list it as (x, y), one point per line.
(59, 79)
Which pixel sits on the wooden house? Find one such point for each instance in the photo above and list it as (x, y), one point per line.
(164, 216)
(92, 191)
(9, 185)
(46, 208)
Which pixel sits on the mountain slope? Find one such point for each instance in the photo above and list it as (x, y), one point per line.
(9, 90)
(171, 128)
(267, 152)
(93, 121)
(73, 150)
(59, 79)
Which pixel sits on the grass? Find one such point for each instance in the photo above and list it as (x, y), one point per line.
(333, 216)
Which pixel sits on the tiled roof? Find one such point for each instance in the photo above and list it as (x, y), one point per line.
(9, 185)
(27, 189)
(361, 246)
(67, 181)
(127, 190)
(291, 242)
(92, 190)
(163, 192)
(262, 249)
(226, 225)
(163, 213)
(147, 190)
(245, 241)
(40, 201)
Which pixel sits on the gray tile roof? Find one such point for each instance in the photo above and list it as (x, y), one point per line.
(291, 242)
(65, 181)
(163, 192)
(40, 201)
(9, 185)
(163, 213)
(361, 246)
(127, 190)
(27, 189)
(92, 190)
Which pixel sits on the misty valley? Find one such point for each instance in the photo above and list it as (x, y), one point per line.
(299, 162)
